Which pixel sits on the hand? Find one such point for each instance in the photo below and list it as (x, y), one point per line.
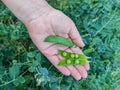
(56, 23)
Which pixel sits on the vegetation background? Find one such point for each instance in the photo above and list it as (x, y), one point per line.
(23, 67)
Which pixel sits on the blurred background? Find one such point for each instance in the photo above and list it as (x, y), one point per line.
(23, 67)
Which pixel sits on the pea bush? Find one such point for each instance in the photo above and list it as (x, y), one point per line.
(23, 67)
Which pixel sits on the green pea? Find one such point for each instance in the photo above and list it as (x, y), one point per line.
(72, 55)
(68, 61)
(77, 61)
(64, 54)
(59, 40)
(76, 55)
(72, 62)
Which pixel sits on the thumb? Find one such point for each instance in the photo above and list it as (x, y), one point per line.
(75, 37)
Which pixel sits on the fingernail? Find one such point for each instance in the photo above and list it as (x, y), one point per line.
(85, 76)
(88, 68)
(78, 77)
(83, 44)
(67, 73)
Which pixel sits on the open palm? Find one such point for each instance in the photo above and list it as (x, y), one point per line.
(56, 23)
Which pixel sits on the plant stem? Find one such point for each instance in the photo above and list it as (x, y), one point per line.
(6, 83)
(106, 23)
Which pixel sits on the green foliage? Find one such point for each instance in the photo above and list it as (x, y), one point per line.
(14, 71)
(23, 67)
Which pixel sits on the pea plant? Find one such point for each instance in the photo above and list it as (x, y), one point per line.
(69, 58)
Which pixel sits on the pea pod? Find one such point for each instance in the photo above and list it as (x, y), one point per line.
(65, 62)
(59, 40)
(69, 55)
(64, 54)
(73, 62)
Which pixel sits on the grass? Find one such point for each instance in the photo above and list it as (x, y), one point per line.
(98, 21)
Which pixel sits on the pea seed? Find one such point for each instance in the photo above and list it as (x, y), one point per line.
(68, 61)
(76, 55)
(77, 61)
(64, 54)
(72, 55)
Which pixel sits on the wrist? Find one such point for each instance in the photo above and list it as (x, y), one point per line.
(36, 12)
(28, 10)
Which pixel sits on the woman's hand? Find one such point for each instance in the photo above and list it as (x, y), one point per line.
(41, 21)
(56, 23)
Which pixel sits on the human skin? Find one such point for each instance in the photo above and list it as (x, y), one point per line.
(42, 20)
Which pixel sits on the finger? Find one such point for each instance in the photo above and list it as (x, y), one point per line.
(87, 66)
(82, 70)
(54, 60)
(74, 72)
(75, 37)
(63, 35)
(76, 50)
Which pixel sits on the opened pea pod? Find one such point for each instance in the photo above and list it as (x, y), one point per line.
(73, 62)
(72, 58)
(69, 55)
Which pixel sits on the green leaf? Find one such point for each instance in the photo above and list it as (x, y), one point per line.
(38, 57)
(35, 63)
(15, 35)
(59, 40)
(14, 71)
(44, 71)
(19, 80)
(16, 83)
(31, 69)
(30, 54)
